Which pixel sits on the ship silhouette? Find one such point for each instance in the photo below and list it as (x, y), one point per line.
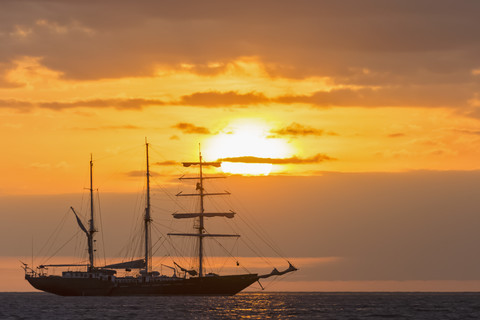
(103, 280)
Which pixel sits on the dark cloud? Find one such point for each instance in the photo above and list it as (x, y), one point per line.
(122, 104)
(433, 96)
(398, 96)
(363, 42)
(191, 128)
(293, 160)
(473, 112)
(122, 127)
(414, 53)
(396, 135)
(135, 103)
(296, 129)
(166, 163)
(474, 132)
(139, 173)
(211, 99)
(219, 99)
(16, 104)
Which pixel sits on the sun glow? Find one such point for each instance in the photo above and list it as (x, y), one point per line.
(247, 138)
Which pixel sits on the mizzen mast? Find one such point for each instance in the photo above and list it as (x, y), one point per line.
(201, 232)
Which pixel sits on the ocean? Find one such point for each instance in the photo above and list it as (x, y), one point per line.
(245, 306)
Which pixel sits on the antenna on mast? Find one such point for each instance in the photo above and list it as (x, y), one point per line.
(147, 218)
(201, 214)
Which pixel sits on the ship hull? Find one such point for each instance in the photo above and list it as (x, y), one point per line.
(210, 285)
(70, 286)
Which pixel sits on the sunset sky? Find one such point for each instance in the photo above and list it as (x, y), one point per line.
(352, 127)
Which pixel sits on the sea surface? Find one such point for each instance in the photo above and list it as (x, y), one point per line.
(245, 306)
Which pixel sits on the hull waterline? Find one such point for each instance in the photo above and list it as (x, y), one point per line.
(211, 285)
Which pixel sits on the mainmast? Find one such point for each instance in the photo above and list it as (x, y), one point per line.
(91, 230)
(202, 211)
(201, 232)
(147, 219)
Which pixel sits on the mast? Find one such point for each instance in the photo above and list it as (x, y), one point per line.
(91, 223)
(147, 218)
(201, 232)
(91, 230)
(200, 226)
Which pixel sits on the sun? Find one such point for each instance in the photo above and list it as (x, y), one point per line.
(243, 141)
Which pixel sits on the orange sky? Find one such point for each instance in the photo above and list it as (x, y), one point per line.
(308, 90)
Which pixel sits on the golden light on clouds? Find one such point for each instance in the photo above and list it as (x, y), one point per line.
(247, 138)
(360, 133)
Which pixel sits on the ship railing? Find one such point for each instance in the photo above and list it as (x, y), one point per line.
(29, 271)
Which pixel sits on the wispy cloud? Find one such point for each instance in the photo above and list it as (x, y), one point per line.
(166, 163)
(122, 104)
(292, 160)
(190, 128)
(296, 129)
(399, 96)
(121, 127)
(133, 103)
(394, 96)
(474, 132)
(219, 99)
(396, 135)
(139, 173)
(16, 104)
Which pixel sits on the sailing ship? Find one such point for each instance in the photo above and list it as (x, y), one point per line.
(104, 281)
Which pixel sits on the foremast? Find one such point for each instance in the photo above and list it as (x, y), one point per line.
(91, 223)
(201, 215)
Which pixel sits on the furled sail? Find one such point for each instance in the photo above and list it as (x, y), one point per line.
(134, 264)
(190, 272)
(203, 235)
(80, 224)
(275, 272)
(43, 266)
(229, 215)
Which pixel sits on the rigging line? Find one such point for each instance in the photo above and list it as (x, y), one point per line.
(54, 233)
(62, 246)
(255, 225)
(247, 238)
(276, 279)
(256, 251)
(134, 226)
(177, 253)
(101, 226)
(168, 194)
(160, 209)
(118, 153)
(259, 235)
(129, 249)
(174, 151)
(168, 227)
(263, 235)
(225, 249)
(54, 236)
(232, 256)
(158, 240)
(251, 244)
(256, 228)
(159, 246)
